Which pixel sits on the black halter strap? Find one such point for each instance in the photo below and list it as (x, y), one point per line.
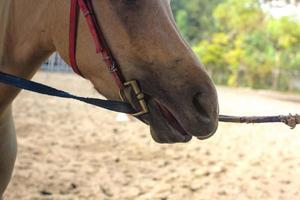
(32, 86)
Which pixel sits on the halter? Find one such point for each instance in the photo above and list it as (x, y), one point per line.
(102, 48)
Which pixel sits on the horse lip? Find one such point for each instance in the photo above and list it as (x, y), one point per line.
(205, 137)
(170, 118)
(161, 129)
(174, 123)
(167, 115)
(171, 123)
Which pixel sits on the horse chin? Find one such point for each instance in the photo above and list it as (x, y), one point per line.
(164, 127)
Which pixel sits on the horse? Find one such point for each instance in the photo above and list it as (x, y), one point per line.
(144, 40)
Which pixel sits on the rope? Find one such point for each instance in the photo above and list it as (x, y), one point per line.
(290, 120)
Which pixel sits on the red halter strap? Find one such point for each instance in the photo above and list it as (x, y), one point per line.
(101, 46)
(86, 8)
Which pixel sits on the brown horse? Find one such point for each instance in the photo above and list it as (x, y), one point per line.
(144, 40)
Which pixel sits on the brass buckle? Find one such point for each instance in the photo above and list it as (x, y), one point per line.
(139, 95)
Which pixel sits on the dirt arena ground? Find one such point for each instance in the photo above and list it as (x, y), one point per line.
(69, 151)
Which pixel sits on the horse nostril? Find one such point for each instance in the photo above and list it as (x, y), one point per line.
(207, 108)
(203, 106)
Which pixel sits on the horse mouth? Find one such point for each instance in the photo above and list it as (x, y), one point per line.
(164, 126)
(176, 132)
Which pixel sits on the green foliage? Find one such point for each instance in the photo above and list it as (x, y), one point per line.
(212, 54)
(194, 18)
(238, 15)
(239, 43)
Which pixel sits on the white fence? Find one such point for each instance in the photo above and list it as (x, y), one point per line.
(56, 64)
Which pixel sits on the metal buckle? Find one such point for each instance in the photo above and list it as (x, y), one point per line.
(139, 95)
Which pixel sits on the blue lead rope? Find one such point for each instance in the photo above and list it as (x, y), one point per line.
(32, 86)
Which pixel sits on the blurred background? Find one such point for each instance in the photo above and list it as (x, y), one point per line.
(69, 150)
(245, 42)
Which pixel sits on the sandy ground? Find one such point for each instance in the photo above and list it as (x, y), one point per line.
(68, 151)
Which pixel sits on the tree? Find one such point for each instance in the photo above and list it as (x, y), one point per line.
(194, 18)
(240, 44)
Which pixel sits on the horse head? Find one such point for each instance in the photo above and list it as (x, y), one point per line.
(147, 45)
